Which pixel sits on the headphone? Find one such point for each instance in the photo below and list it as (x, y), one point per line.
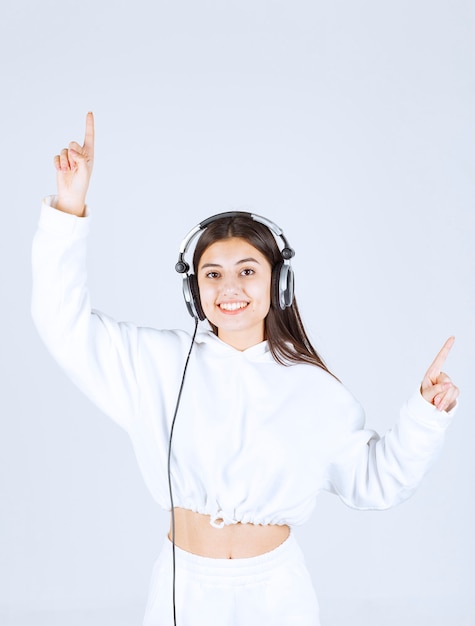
(282, 274)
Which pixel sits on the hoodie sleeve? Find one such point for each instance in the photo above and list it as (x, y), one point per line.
(372, 472)
(97, 353)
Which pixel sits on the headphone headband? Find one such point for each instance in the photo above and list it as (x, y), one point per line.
(183, 267)
(284, 281)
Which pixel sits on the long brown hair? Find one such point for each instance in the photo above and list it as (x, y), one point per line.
(284, 330)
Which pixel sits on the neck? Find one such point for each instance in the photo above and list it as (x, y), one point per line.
(241, 341)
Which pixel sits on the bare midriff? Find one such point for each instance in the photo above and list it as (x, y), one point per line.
(194, 533)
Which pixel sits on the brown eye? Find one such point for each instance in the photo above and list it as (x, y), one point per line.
(248, 272)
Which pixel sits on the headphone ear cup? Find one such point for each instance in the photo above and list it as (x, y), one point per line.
(191, 293)
(196, 297)
(282, 285)
(287, 283)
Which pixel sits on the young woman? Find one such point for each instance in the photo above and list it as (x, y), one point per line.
(262, 425)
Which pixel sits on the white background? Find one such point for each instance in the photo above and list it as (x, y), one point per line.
(351, 125)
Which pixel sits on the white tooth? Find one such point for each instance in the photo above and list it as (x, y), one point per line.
(233, 306)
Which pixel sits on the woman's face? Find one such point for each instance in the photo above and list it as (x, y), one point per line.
(234, 280)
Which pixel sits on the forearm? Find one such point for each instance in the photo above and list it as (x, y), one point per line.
(372, 472)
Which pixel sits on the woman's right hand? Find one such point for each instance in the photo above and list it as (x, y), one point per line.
(73, 172)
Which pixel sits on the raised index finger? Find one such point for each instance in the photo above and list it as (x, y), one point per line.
(89, 136)
(436, 366)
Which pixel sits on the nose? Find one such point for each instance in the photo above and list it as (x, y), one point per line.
(229, 287)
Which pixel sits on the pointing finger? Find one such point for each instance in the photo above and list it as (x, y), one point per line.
(89, 136)
(436, 367)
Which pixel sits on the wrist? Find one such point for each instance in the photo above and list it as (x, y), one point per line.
(74, 206)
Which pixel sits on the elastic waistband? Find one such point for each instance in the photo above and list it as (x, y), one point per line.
(203, 566)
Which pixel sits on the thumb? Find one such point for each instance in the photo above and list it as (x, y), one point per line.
(77, 155)
(430, 393)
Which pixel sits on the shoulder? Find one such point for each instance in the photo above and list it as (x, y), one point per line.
(173, 340)
(329, 397)
(169, 342)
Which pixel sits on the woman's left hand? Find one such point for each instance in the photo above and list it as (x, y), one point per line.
(436, 386)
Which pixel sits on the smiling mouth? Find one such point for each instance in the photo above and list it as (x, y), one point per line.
(232, 306)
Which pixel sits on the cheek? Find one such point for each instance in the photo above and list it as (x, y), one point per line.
(261, 299)
(266, 291)
(203, 293)
(206, 298)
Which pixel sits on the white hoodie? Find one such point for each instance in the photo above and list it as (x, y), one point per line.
(254, 441)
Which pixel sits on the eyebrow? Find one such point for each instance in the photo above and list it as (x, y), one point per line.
(248, 260)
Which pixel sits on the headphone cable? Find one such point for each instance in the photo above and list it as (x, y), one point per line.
(169, 462)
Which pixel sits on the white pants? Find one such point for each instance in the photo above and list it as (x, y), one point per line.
(273, 589)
